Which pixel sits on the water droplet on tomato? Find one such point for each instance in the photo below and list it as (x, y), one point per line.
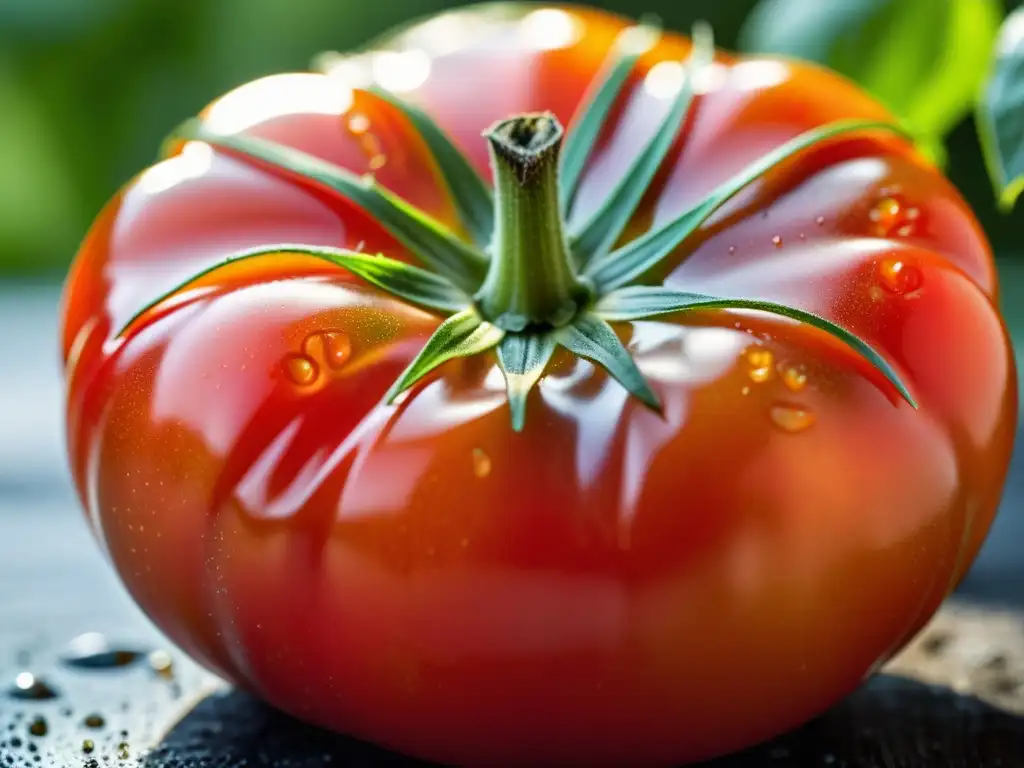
(88, 746)
(301, 370)
(378, 161)
(886, 211)
(732, 249)
(791, 418)
(92, 651)
(802, 236)
(891, 216)
(777, 241)
(760, 361)
(162, 664)
(332, 347)
(38, 727)
(28, 687)
(745, 391)
(820, 221)
(794, 378)
(481, 463)
(358, 124)
(899, 277)
(94, 721)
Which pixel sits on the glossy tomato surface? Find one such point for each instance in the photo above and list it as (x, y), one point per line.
(610, 586)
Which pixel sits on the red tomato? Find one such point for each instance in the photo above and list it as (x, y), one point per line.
(607, 587)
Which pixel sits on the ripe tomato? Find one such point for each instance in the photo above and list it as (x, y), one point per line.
(608, 586)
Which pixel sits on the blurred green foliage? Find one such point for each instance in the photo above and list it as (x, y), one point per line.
(88, 88)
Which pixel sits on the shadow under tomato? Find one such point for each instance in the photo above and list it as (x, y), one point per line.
(892, 721)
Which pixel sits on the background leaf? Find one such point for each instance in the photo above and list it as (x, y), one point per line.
(924, 59)
(1001, 113)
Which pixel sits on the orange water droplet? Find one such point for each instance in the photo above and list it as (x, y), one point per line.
(886, 211)
(760, 361)
(481, 463)
(899, 277)
(358, 124)
(301, 370)
(337, 349)
(794, 379)
(876, 293)
(378, 161)
(745, 391)
(777, 241)
(792, 419)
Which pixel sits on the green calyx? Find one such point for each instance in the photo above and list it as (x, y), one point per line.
(529, 283)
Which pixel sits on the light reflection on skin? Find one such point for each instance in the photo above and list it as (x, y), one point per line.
(275, 96)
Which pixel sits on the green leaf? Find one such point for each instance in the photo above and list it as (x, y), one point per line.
(1001, 113)
(591, 337)
(523, 358)
(413, 284)
(597, 105)
(470, 192)
(430, 240)
(924, 59)
(644, 253)
(639, 302)
(600, 231)
(461, 335)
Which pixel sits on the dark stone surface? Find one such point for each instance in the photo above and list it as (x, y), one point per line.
(55, 585)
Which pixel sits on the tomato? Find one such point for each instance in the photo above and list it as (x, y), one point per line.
(609, 585)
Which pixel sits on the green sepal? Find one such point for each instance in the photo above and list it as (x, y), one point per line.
(639, 302)
(427, 238)
(522, 358)
(645, 252)
(597, 105)
(415, 285)
(603, 227)
(471, 194)
(591, 337)
(1000, 114)
(462, 335)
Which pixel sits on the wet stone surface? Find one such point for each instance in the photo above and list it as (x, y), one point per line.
(124, 697)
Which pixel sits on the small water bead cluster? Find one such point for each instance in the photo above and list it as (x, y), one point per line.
(762, 368)
(321, 351)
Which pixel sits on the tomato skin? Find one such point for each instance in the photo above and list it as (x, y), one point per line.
(608, 587)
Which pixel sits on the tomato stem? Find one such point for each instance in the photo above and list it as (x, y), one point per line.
(531, 280)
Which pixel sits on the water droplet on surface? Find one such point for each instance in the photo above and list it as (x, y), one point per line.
(794, 378)
(378, 161)
(123, 751)
(732, 249)
(93, 651)
(899, 277)
(94, 721)
(162, 664)
(301, 370)
(760, 361)
(358, 124)
(820, 221)
(792, 419)
(481, 463)
(745, 391)
(886, 211)
(337, 348)
(893, 217)
(777, 241)
(28, 687)
(38, 727)
(88, 746)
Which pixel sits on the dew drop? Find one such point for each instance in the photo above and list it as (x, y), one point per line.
(794, 378)
(899, 277)
(732, 250)
(92, 651)
(820, 221)
(792, 419)
(28, 687)
(760, 361)
(162, 664)
(123, 751)
(301, 370)
(88, 746)
(886, 212)
(892, 217)
(777, 241)
(94, 721)
(745, 391)
(337, 348)
(358, 124)
(38, 727)
(481, 463)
